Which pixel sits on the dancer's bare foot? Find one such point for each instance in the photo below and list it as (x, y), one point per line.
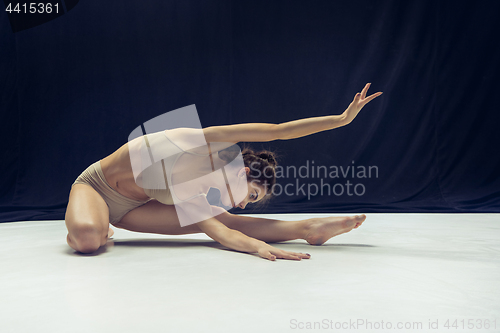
(110, 232)
(319, 230)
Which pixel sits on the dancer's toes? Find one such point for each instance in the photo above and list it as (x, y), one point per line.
(359, 220)
(349, 223)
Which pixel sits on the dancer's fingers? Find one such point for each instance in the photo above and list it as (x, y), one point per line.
(293, 255)
(303, 255)
(365, 90)
(269, 256)
(370, 98)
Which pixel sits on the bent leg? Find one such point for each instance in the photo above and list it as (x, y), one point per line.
(87, 219)
(156, 218)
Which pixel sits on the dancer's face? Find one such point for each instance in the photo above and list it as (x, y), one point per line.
(254, 194)
(242, 191)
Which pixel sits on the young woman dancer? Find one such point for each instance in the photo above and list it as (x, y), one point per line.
(107, 192)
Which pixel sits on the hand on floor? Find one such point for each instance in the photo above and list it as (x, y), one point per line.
(269, 252)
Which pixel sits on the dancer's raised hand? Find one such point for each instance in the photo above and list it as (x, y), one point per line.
(360, 100)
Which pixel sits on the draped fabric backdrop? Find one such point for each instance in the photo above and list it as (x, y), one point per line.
(73, 89)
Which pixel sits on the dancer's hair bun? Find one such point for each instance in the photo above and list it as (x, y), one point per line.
(269, 156)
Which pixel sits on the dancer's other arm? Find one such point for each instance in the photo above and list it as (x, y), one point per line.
(261, 132)
(238, 241)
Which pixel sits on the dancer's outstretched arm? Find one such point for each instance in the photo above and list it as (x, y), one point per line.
(261, 132)
(238, 241)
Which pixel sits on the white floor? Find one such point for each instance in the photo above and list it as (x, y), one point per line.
(418, 272)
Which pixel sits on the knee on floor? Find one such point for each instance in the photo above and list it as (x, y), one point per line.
(86, 238)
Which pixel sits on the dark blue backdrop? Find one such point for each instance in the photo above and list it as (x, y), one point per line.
(73, 88)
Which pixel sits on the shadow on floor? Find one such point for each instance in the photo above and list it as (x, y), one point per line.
(177, 243)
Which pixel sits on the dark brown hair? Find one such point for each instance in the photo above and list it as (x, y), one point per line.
(262, 166)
